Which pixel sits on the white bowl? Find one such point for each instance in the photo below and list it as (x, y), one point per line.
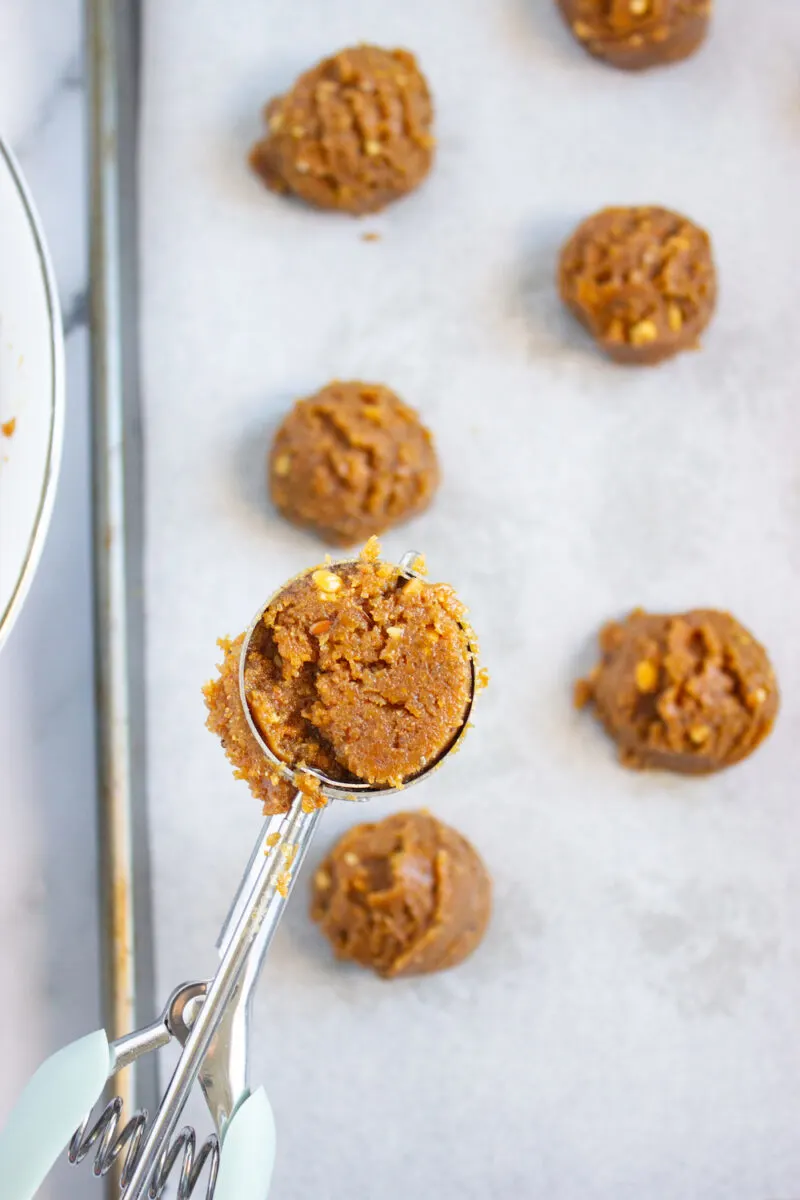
(31, 390)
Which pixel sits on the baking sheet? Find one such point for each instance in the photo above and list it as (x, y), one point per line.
(630, 1025)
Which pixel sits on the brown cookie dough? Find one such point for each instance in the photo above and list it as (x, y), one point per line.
(641, 280)
(691, 693)
(227, 720)
(355, 671)
(635, 34)
(351, 461)
(354, 133)
(406, 896)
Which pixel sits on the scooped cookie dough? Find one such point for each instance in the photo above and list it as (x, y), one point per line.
(355, 671)
(354, 133)
(641, 280)
(227, 720)
(635, 34)
(361, 673)
(691, 693)
(351, 461)
(405, 896)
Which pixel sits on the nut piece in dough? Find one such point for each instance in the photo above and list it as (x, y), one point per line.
(405, 896)
(641, 280)
(635, 34)
(354, 133)
(355, 671)
(691, 693)
(351, 461)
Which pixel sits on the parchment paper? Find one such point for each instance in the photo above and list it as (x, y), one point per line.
(631, 1026)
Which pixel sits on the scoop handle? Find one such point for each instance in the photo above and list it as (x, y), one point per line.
(248, 1151)
(53, 1104)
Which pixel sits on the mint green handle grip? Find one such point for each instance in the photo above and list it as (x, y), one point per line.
(248, 1152)
(50, 1109)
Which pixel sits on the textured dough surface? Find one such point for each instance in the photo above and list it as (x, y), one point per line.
(693, 693)
(226, 719)
(351, 461)
(354, 133)
(354, 670)
(635, 34)
(641, 280)
(405, 896)
(360, 673)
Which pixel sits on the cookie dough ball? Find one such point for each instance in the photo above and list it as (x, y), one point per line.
(691, 693)
(226, 719)
(361, 673)
(354, 670)
(406, 896)
(354, 133)
(635, 34)
(641, 280)
(351, 461)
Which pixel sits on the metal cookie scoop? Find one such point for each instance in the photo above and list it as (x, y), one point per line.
(321, 784)
(210, 1021)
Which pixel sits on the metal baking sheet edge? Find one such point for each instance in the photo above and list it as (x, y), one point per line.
(112, 47)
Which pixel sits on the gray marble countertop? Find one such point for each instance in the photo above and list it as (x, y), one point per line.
(48, 940)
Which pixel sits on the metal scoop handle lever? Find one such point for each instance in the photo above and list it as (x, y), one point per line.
(210, 1019)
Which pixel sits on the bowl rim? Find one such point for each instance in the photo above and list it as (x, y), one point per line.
(44, 509)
